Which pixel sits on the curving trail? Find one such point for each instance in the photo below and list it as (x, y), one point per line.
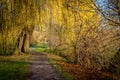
(41, 69)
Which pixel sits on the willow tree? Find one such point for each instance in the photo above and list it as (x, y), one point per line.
(29, 10)
(18, 18)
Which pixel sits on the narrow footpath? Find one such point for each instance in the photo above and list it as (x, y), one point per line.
(41, 69)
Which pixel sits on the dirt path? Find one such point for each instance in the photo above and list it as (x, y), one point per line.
(41, 69)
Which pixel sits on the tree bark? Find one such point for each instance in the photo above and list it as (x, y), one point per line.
(23, 42)
(19, 43)
(26, 43)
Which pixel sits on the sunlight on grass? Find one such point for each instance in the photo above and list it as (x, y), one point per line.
(14, 67)
(39, 50)
(44, 50)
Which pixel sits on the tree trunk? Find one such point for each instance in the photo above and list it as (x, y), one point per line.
(26, 43)
(19, 45)
(23, 42)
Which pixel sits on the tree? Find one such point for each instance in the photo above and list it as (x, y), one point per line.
(17, 20)
(112, 15)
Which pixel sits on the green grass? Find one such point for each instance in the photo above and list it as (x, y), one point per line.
(40, 49)
(53, 60)
(42, 45)
(44, 50)
(14, 67)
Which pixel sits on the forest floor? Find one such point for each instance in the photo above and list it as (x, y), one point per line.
(41, 68)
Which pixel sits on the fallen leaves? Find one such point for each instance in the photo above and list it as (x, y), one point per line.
(84, 73)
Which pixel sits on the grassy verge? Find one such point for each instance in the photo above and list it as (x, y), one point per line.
(54, 59)
(40, 49)
(14, 67)
(43, 50)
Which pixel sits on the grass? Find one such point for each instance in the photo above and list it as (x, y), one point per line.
(54, 59)
(44, 50)
(14, 67)
(40, 49)
(43, 47)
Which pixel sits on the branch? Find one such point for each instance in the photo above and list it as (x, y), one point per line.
(116, 22)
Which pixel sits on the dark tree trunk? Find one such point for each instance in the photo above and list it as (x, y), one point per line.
(19, 45)
(26, 42)
(23, 42)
